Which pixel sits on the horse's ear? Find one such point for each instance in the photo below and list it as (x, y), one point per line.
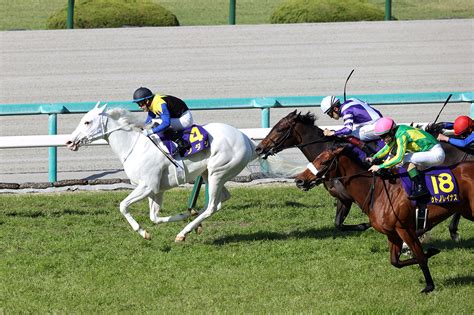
(293, 113)
(97, 105)
(102, 109)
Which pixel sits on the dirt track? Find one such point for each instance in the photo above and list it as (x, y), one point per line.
(222, 62)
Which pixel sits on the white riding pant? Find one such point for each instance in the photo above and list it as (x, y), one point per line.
(433, 157)
(183, 122)
(365, 132)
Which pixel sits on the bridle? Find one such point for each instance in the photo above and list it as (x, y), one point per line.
(278, 145)
(102, 134)
(321, 174)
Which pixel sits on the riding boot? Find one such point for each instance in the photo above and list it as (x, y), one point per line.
(183, 146)
(419, 188)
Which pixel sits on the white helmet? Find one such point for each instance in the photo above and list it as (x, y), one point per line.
(328, 102)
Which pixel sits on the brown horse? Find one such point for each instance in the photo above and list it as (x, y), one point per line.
(296, 130)
(387, 205)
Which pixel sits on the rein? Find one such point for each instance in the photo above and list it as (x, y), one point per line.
(321, 140)
(278, 145)
(334, 161)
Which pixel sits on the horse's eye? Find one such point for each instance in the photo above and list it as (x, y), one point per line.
(87, 123)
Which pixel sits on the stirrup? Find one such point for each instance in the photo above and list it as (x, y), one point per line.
(419, 194)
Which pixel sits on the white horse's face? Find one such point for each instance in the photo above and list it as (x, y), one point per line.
(89, 129)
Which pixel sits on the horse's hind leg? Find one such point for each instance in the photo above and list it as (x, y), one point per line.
(215, 187)
(137, 194)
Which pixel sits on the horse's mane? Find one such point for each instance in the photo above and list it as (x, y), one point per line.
(307, 119)
(126, 118)
(348, 150)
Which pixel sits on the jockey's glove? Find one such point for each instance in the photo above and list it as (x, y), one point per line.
(377, 161)
(147, 132)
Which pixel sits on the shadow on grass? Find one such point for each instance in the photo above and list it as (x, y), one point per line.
(327, 232)
(460, 280)
(54, 213)
(447, 244)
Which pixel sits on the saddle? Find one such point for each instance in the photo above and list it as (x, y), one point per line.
(195, 136)
(440, 182)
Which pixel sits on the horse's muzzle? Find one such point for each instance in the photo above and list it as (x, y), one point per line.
(306, 185)
(73, 146)
(264, 153)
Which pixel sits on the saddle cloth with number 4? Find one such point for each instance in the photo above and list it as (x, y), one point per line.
(197, 137)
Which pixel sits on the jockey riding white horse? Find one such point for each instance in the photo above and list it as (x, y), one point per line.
(152, 172)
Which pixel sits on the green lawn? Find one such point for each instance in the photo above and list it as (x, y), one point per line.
(269, 250)
(32, 14)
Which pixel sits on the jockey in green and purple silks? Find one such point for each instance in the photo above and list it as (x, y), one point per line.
(167, 114)
(413, 146)
(359, 120)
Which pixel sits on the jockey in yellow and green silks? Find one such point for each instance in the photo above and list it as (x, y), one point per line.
(413, 146)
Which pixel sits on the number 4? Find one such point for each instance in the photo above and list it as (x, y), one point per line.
(195, 135)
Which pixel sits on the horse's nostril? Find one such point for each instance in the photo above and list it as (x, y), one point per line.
(298, 182)
(258, 150)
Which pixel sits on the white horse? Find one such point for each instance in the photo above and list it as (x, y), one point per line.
(152, 172)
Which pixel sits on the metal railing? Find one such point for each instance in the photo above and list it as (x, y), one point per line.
(264, 103)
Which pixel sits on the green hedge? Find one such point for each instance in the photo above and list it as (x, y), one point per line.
(312, 11)
(114, 13)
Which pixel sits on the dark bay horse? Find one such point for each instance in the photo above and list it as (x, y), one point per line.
(386, 203)
(296, 130)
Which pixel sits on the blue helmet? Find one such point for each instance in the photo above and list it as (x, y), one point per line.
(142, 94)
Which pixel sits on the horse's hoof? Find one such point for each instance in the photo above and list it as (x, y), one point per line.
(179, 239)
(199, 229)
(428, 289)
(147, 236)
(193, 212)
(455, 237)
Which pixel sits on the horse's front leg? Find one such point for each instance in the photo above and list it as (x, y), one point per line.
(453, 227)
(140, 192)
(155, 202)
(342, 210)
(343, 206)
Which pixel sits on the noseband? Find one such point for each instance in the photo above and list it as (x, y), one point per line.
(278, 146)
(321, 175)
